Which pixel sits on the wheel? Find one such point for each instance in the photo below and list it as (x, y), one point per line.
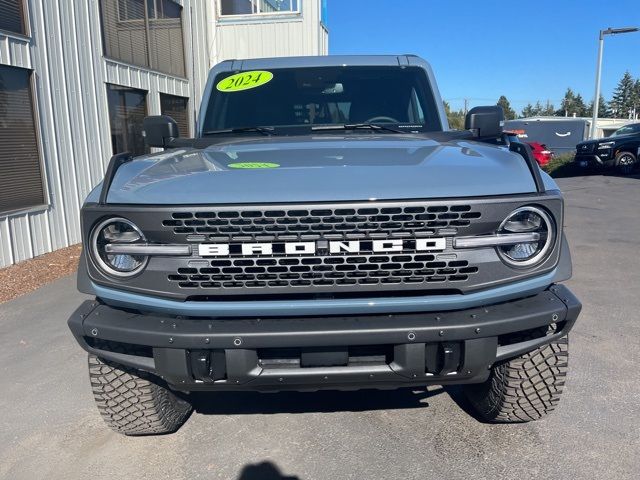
(524, 388)
(132, 402)
(381, 119)
(625, 161)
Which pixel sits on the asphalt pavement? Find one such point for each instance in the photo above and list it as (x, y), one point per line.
(51, 428)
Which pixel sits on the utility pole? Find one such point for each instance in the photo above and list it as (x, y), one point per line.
(466, 105)
(596, 100)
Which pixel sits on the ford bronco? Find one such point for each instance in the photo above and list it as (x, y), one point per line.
(325, 229)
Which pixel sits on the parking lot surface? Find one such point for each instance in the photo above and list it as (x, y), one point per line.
(51, 428)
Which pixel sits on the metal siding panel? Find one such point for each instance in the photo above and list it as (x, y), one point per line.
(88, 85)
(14, 51)
(48, 128)
(270, 38)
(153, 98)
(143, 79)
(158, 83)
(112, 72)
(125, 77)
(5, 57)
(100, 73)
(39, 229)
(19, 53)
(61, 116)
(20, 238)
(75, 107)
(6, 247)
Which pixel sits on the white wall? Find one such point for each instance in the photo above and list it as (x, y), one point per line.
(255, 36)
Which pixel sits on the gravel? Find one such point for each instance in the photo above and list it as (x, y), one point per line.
(27, 276)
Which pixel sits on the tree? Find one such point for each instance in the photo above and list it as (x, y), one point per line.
(579, 107)
(509, 113)
(528, 111)
(456, 119)
(603, 109)
(622, 102)
(548, 110)
(571, 105)
(636, 98)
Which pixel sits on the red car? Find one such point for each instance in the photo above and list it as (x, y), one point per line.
(541, 153)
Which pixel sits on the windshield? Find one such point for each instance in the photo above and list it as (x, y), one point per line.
(296, 99)
(626, 130)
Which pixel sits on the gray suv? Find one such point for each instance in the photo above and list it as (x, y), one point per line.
(324, 230)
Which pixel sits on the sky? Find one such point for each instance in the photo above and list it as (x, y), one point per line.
(527, 50)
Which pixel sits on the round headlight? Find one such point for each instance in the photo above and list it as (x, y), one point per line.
(527, 220)
(112, 232)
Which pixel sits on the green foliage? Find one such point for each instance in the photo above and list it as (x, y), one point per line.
(603, 109)
(456, 119)
(562, 166)
(626, 96)
(572, 105)
(509, 113)
(546, 110)
(624, 103)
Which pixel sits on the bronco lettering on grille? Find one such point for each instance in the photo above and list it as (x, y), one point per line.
(434, 244)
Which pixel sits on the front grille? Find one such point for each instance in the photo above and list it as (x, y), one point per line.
(587, 148)
(314, 224)
(369, 273)
(340, 271)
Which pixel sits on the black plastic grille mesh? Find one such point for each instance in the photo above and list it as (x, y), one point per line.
(338, 223)
(340, 271)
(347, 270)
(586, 148)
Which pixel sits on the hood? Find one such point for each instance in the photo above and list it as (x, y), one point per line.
(616, 138)
(321, 168)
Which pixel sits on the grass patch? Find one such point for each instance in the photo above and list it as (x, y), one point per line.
(562, 166)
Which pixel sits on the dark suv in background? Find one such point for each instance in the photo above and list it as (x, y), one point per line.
(620, 150)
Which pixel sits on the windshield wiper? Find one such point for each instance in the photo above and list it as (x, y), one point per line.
(262, 130)
(356, 126)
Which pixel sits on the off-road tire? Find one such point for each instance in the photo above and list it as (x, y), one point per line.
(524, 388)
(625, 162)
(133, 402)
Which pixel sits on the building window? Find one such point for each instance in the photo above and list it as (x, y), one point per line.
(127, 109)
(12, 16)
(177, 108)
(251, 7)
(21, 183)
(146, 33)
(130, 10)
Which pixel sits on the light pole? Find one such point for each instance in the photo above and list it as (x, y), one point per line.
(596, 100)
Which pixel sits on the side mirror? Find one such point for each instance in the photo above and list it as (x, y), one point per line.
(158, 130)
(485, 122)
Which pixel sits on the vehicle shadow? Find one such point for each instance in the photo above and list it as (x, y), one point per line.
(250, 403)
(263, 471)
(456, 394)
(571, 170)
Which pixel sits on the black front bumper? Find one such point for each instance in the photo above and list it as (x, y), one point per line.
(594, 161)
(307, 353)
